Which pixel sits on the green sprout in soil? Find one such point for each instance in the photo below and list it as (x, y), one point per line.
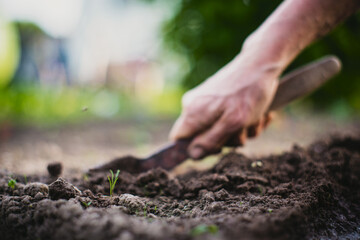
(86, 177)
(86, 204)
(270, 210)
(187, 208)
(202, 229)
(25, 179)
(145, 210)
(12, 183)
(146, 191)
(113, 180)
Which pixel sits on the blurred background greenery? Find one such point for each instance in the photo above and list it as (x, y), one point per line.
(118, 58)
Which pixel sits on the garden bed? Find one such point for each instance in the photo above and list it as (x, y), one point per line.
(308, 193)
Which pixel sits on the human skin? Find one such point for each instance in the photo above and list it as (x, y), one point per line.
(232, 103)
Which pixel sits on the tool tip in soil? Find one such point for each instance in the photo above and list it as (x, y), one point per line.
(128, 164)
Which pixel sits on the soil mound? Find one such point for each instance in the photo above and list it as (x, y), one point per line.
(308, 193)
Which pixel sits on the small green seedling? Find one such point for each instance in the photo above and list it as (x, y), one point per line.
(12, 183)
(86, 204)
(25, 179)
(145, 210)
(86, 177)
(113, 180)
(270, 210)
(202, 229)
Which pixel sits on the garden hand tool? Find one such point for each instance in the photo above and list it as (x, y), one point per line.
(292, 86)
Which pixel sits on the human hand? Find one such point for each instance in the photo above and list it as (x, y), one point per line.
(229, 106)
(237, 96)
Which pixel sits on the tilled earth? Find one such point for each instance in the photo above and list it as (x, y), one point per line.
(311, 193)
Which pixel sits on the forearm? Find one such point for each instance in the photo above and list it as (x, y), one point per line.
(292, 27)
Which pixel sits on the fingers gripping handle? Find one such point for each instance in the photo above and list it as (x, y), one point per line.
(299, 83)
(305, 80)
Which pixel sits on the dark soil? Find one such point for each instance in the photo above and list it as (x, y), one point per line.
(311, 193)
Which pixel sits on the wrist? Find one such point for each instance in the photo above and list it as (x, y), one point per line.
(255, 59)
(265, 50)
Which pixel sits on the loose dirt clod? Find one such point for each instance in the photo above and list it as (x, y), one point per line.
(55, 169)
(32, 189)
(60, 189)
(311, 193)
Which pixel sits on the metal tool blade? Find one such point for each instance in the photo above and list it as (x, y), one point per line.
(167, 158)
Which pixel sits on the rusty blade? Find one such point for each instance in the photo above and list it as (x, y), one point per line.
(167, 157)
(128, 164)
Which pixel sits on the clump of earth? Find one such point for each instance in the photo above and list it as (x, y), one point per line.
(306, 193)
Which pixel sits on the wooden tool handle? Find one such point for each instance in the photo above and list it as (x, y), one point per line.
(305, 80)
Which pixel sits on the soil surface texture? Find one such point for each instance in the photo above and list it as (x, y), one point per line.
(311, 193)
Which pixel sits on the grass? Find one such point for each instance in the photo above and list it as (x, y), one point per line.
(113, 180)
(86, 204)
(86, 177)
(203, 229)
(12, 183)
(145, 210)
(261, 190)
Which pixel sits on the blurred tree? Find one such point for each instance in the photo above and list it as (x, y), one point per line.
(9, 51)
(27, 70)
(210, 33)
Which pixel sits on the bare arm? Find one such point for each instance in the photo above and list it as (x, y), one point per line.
(293, 26)
(235, 98)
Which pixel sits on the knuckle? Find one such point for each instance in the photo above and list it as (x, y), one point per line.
(212, 146)
(203, 143)
(232, 124)
(187, 99)
(234, 121)
(210, 141)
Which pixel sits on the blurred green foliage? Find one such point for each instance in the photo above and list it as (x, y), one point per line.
(207, 35)
(39, 105)
(210, 33)
(9, 51)
(29, 102)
